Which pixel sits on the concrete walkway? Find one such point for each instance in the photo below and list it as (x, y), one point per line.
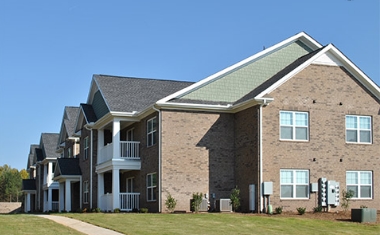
(80, 226)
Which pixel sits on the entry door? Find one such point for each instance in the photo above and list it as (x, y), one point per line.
(130, 135)
(130, 185)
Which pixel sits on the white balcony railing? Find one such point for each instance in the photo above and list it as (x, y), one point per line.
(129, 201)
(55, 205)
(128, 150)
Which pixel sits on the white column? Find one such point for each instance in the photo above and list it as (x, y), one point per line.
(116, 138)
(45, 173)
(50, 196)
(100, 144)
(115, 189)
(61, 197)
(101, 191)
(68, 195)
(50, 173)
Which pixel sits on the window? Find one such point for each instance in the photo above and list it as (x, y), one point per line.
(69, 152)
(151, 131)
(360, 182)
(294, 184)
(86, 148)
(294, 125)
(85, 192)
(151, 184)
(358, 129)
(130, 134)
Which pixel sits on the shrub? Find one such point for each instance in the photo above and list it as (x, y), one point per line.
(279, 210)
(301, 210)
(318, 209)
(116, 210)
(96, 210)
(235, 198)
(346, 197)
(170, 203)
(143, 210)
(196, 202)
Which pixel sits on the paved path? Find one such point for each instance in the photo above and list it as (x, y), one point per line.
(80, 226)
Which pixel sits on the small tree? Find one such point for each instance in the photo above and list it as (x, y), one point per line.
(196, 202)
(170, 203)
(346, 197)
(235, 198)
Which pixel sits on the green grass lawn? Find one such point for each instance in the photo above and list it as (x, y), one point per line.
(218, 223)
(21, 224)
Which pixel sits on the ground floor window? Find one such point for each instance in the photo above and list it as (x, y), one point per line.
(294, 183)
(85, 192)
(360, 182)
(151, 184)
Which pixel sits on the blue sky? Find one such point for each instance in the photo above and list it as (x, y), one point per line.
(49, 50)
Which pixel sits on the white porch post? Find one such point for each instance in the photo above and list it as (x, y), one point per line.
(100, 144)
(49, 173)
(61, 197)
(115, 189)
(49, 202)
(68, 195)
(101, 191)
(116, 138)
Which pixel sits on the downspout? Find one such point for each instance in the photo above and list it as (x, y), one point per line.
(159, 158)
(89, 127)
(261, 154)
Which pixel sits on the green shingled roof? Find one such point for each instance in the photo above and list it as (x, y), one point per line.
(233, 85)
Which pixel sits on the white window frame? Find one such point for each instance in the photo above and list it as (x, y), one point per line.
(294, 125)
(359, 184)
(358, 129)
(294, 183)
(85, 192)
(151, 187)
(86, 148)
(151, 130)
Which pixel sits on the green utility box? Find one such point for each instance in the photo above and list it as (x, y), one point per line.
(364, 215)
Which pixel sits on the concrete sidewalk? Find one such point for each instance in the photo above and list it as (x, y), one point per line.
(80, 226)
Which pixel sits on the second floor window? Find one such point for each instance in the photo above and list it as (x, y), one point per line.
(86, 148)
(358, 129)
(294, 125)
(151, 131)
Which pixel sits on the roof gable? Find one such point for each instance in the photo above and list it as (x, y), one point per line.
(48, 144)
(128, 95)
(70, 115)
(236, 81)
(67, 166)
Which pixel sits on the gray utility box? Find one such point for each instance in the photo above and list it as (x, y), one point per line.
(364, 215)
(267, 188)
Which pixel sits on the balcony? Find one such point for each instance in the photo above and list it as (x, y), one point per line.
(129, 150)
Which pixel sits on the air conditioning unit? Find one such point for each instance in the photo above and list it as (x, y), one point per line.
(204, 205)
(224, 205)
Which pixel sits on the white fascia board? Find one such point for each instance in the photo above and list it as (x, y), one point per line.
(352, 68)
(203, 107)
(306, 39)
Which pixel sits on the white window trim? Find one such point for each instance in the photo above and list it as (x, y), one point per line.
(294, 126)
(294, 184)
(150, 134)
(360, 184)
(358, 129)
(153, 187)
